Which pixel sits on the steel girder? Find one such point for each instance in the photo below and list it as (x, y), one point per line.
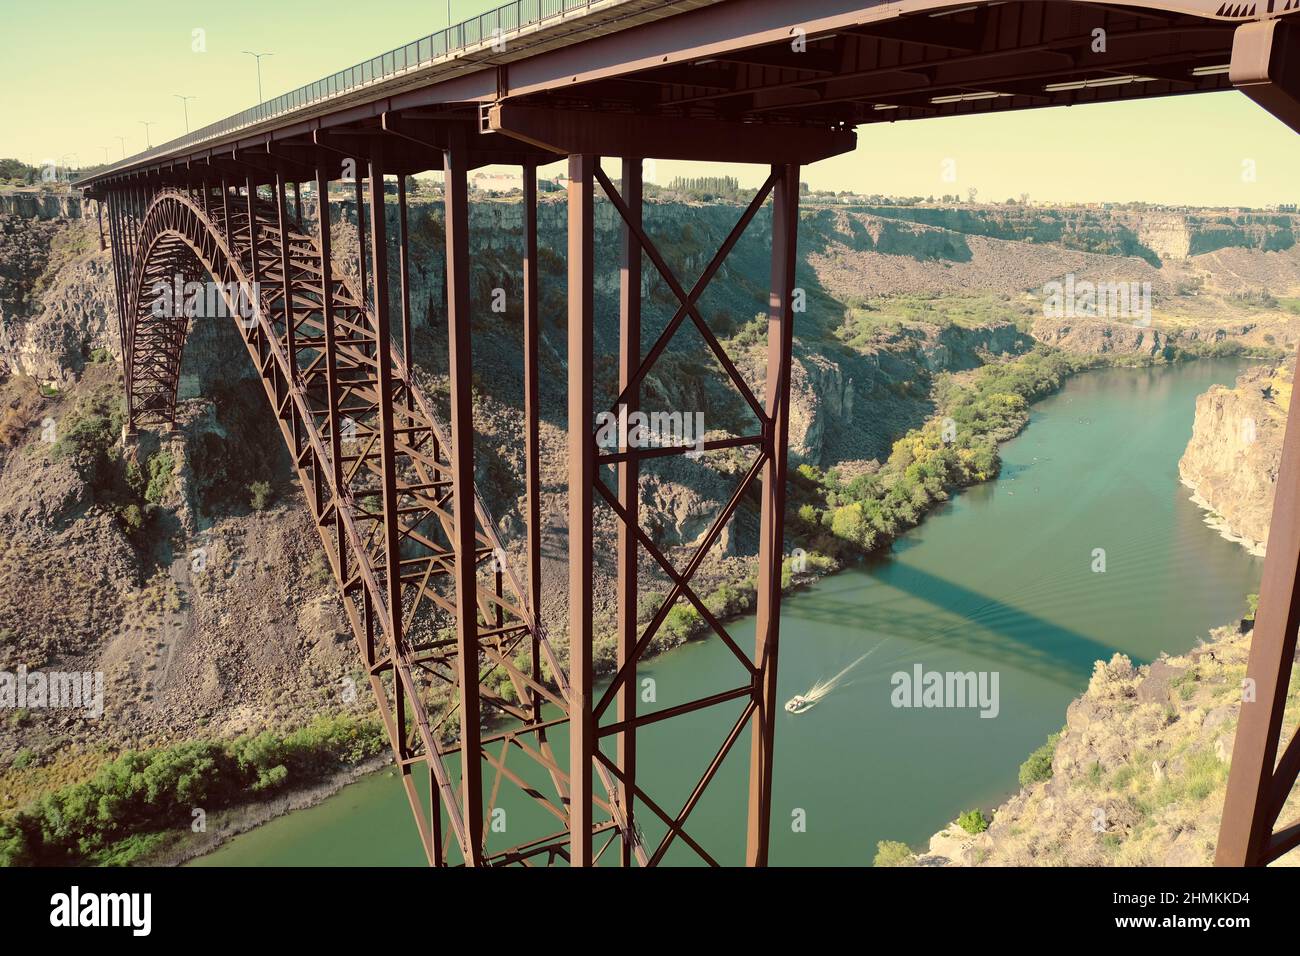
(433, 602)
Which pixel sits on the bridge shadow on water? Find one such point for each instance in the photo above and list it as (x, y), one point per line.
(957, 618)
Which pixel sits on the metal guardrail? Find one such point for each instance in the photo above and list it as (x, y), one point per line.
(510, 18)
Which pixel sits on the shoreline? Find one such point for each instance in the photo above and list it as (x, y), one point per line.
(235, 821)
(239, 820)
(1220, 524)
(254, 815)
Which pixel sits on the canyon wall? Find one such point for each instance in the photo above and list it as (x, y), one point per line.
(1232, 460)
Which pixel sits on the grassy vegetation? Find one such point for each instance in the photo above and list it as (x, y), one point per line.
(1038, 766)
(973, 821)
(956, 448)
(21, 400)
(136, 800)
(261, 495)
(867, 320)
(88, 437)
(893, 853)
(727, 601)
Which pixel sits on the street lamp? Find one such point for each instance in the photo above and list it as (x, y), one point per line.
(121, 141)
(185, 102)
(105, 149)
(258, 58)
(146, 125)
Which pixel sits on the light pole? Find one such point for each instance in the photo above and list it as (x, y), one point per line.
(146, 125)
(258, 58)
(105, 149)
(185, 103)
(121, 141)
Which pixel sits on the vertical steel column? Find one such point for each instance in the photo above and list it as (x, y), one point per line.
(532, 439)
(255, 269)
(456, 196)
(1255, 795)
(361, 240)
(629, 483)
(780, 328)
(404, 276)
(387, 440)
(286, 282)
(118, 286)
(225, 209)
(119, 257)
(582, 475)
(388, 451)
(132, 198)
(99, 220)
(333, 399)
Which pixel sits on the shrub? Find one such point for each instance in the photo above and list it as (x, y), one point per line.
(681, 623)
(973, 821)
(262, 495)
(1039, 765)
(893, 853)
(161, 466)
(132, 519)
(112, 815)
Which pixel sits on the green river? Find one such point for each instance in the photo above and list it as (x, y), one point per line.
(999, 580)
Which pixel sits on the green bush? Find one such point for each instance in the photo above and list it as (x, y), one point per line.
(955, 448)
(1039, 765)
(681, 623)
(161, 466)
(132, 519)
(893, 853)
(142, 793)
(262, 495)
(973, 821)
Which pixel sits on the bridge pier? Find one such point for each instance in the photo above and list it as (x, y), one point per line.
(1266, 67)
(440, 618)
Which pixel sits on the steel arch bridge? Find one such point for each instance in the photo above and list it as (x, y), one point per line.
(440, 616)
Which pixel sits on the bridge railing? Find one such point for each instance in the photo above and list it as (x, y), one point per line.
(501, 21)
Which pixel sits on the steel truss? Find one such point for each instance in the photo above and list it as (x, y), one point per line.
(439, 615)
(434, 613)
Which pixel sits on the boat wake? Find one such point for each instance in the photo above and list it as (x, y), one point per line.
(802, 703)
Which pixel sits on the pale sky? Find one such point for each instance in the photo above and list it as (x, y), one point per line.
(84, 72)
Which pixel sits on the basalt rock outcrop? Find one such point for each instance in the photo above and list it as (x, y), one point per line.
(1232, 460)
(1099, 337)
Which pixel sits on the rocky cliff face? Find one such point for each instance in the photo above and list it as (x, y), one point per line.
(56, 298)
(1137, 775)
(1096, 337)
(262, 619)
(41, 205)
(851, 404)
(1167, 235)
(1232, 459)
(1149, 234)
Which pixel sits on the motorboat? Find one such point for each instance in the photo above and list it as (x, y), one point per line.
(798, 704)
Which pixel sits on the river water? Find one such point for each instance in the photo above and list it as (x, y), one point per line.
(1002, 580)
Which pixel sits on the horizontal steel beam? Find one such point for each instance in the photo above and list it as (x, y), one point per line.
(574, 132)
(1266, 67)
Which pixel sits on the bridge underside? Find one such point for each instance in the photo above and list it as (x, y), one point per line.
(442, 620)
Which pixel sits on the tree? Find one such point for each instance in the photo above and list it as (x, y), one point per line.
(893, 853)
(262, 495)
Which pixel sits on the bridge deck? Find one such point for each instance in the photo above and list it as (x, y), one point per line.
(836, 63)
